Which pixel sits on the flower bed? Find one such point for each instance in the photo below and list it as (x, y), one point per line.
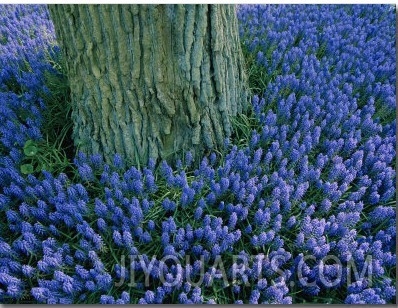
(299, 209)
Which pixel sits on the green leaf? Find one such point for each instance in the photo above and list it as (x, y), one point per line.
(45, 167)
(27, 169)
(30, 150)
(29, 143)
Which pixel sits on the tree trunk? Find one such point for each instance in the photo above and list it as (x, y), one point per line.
(150, 81)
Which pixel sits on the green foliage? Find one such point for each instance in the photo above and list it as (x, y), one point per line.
(256, 74)
(41, 156)
(243, 126)
(30, 148)
(57, 116)
(56, 151)
(27, 169)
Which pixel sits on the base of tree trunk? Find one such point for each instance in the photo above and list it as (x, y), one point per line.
(151, 81)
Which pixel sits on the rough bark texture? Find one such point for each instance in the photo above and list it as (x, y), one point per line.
(151, 80)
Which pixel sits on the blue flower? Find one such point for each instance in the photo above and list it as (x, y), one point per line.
(254, 297)
(149, 297)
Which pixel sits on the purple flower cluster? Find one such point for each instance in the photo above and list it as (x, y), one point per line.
(26, 35)
(329, 107)
(287, 219)
(26, 40)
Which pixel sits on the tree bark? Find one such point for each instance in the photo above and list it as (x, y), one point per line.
(150, 81)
